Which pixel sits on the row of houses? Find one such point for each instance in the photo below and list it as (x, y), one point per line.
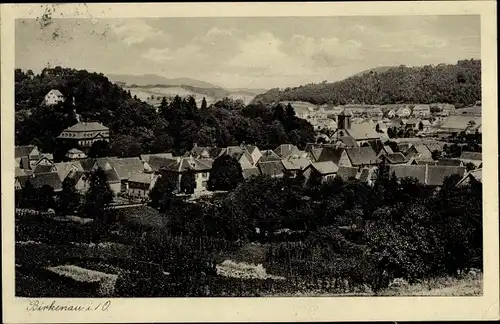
(136, 176)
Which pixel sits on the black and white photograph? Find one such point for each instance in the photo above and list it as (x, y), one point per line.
(273, 156)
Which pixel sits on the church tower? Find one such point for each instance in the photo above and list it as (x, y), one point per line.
(344, 120)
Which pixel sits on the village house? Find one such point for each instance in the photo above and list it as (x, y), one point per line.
(26, 156)
(418, 151)
(362, 157)
(421, 111)
(145, 157)
(473, 176)
(53, 97)
(361, 133)
(411, 123)
(404, 111)
(386, 149)
(181, 165)
(85, 134)
(251, 172)
(430, 175)
(75, 154)
(346, 173)
(471, 157)
(272, 168)
(450, 162)
(326, 170)
(424, 125)
(124, 168)
(294, 165)
(140, 184)
(391, 114)
(396, 158)
(39, 180)
(268, 156)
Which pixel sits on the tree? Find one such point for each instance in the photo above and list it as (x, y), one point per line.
(125, 145)
(28, 195)
(188, 181)
(98, 197)
(162, 193)
(99, 149)
(68, 199)
(420, 126)
(225, 175)
(290, 112)
(377, 128)
(203, 104)
(45, 196)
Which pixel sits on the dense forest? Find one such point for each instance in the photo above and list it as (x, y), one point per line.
(138, 128)
(458, 84)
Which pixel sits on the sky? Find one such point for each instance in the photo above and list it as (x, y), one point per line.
(261, 52)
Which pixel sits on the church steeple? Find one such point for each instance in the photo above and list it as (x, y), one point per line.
(344, 120)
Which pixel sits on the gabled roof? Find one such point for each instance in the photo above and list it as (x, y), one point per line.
(437, 173)
(296, 163)
(346, 173)
(18, 172)
(56, 92)
(349, 141)
(362, 156)
(476, 156)
(156, 162)
(330, 154)
(314, 153)
(251, 148)
(215, 152)
(87, 127)
(345, 112)
(395, 158)
(388, 149)
(271, 168)
(450, 162)
(326, 167)
(126, 167)
(145, 157)
(476, 175)
(363, 131)
(286, 150)
(268, 156)
(24, 150)
(75, 151)
(144, 178)
(87, 164)
(367, 174)
(247, 173)
(50, 178)
(184, 164)
(421, 151)
(434, 147)
(43, 168)
(112, 176)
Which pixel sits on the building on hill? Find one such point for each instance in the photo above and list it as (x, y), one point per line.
(179, 166)
(84, 134)
(53, 97)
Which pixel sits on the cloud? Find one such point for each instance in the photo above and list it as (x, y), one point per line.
(135, 32)
(188, 52)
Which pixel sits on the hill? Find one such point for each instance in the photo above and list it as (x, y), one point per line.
(136, 127)
(153, 79)
(458, 84)
(379, 69)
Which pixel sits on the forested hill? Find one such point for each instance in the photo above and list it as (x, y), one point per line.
(458, 84)
(137, 127)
